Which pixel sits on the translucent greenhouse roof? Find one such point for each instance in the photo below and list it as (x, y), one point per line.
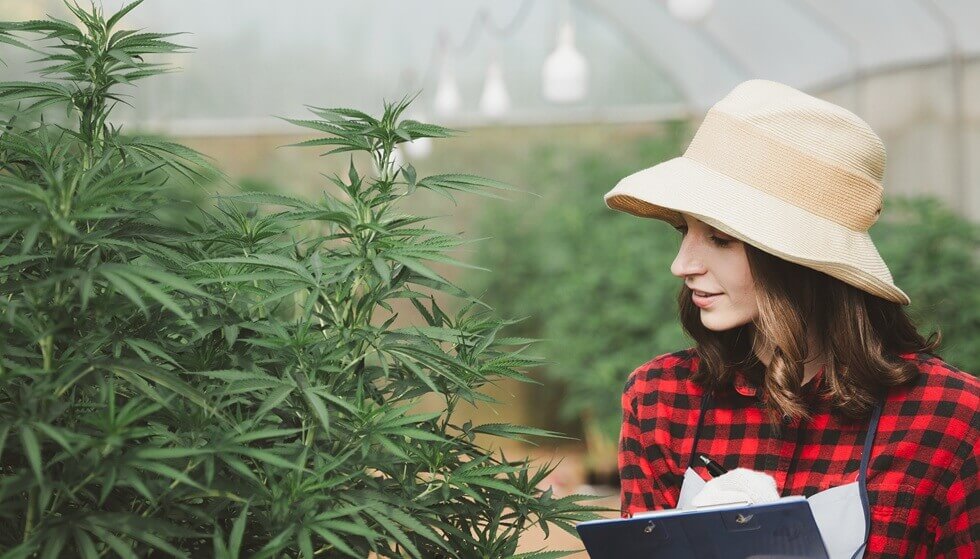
(256, 58)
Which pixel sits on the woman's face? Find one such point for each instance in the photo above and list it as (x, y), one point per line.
(712, 262)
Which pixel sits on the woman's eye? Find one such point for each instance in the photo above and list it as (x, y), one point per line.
(717, 241)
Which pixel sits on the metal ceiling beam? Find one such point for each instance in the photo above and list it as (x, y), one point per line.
(958, 128)
(637, 45)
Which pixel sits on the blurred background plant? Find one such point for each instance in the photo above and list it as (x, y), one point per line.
(223, 381)
(594, 285)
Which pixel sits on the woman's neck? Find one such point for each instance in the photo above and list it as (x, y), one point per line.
(811, 366)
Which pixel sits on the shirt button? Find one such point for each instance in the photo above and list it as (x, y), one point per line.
(787, 419)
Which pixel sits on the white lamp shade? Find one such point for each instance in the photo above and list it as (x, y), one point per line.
(419, 148)
(447, 100)
(690, 11)
(565, 73)
(397, 159)
(394, 162)
(494, 101)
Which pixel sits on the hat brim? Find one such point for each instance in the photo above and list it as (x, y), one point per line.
(683, 185)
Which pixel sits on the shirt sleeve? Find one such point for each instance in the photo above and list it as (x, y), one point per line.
(958, 530)
(646, 483)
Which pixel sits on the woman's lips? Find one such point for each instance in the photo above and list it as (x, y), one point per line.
(705, 302)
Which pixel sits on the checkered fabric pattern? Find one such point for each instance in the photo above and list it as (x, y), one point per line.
(922, 477)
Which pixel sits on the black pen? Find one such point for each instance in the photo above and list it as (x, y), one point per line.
(714, 468)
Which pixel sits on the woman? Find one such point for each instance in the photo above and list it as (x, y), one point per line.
(806, 366)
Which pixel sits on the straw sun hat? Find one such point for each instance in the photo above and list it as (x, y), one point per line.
(790, 174)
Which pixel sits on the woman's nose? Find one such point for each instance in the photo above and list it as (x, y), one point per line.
(687, 262)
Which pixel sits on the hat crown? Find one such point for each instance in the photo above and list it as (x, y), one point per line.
(813, 126)
(803, 150)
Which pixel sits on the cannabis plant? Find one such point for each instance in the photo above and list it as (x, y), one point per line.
(227, 386)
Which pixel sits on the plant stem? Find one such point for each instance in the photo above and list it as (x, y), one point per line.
(46, 343)
(29, 517)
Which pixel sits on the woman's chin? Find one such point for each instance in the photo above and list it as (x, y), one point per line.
(717, 320)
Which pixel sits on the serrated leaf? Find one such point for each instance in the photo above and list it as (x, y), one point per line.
(32, 449)
(238, 533)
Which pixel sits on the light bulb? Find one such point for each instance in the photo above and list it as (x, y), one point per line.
(565, 72)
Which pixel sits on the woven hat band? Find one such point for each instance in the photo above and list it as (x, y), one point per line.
(753, 157)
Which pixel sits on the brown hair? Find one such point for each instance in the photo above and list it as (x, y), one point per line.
(862, 335)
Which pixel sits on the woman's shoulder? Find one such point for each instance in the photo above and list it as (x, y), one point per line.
(948, 396)
(939, 383)
(668, 372)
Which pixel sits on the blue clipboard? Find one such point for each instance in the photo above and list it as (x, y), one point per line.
(783, 529)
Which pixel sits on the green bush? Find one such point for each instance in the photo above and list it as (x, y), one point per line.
(225, 384)
(932, 253)
(597, 286)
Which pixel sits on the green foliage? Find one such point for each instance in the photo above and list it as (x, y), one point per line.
(933, 254)
(597, 283)
(224, 386)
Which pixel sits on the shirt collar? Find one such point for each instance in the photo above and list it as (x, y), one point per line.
(746, 387)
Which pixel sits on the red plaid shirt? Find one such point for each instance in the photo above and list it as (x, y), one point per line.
(922, 475)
